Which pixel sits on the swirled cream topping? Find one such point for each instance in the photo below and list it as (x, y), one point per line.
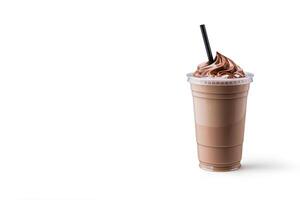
(221, 67)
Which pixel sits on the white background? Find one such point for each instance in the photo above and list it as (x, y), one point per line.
(94, 102)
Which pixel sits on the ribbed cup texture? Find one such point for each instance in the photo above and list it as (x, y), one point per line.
(220, 119)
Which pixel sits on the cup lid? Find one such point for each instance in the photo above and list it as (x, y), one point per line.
(220, 81)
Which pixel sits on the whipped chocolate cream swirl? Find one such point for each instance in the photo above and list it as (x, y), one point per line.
(221, 67)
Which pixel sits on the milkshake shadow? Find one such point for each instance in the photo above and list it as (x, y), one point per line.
(264, 166)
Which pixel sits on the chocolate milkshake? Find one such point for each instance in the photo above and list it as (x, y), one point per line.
(220, 90)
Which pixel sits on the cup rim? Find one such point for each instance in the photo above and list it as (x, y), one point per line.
(220, 81)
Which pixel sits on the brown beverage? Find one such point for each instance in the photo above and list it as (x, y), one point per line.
(220, 110)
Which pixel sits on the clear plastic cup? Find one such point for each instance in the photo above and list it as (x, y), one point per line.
(220, 111)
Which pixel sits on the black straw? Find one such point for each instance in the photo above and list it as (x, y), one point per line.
(206, 43)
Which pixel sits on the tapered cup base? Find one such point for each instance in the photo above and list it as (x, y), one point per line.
(219, 168)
